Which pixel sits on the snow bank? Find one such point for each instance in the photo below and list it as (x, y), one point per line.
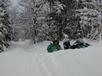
(25, 59)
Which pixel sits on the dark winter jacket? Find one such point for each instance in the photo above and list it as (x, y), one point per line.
(66, 45)
(53, 47)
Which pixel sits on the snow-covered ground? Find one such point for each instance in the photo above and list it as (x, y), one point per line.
(26, 59)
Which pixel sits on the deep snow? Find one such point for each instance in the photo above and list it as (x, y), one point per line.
(26, 59)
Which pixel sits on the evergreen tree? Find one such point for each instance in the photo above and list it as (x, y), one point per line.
(55, 19)
(5, 29)
(33, 19)
(89, 15)
(70, 21)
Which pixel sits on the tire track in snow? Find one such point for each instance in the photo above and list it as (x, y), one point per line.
(49, 65)
(42, 67)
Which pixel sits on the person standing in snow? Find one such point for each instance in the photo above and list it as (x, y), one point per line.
(66, 42)
(54, 46)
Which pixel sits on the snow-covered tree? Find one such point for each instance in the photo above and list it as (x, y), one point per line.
(55, 19)
(33, 19)
(14, 22)
(69, 20)
(89, 18)
(5, 29)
